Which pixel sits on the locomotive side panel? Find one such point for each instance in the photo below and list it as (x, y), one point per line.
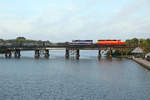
(110, 42)
(81, 42)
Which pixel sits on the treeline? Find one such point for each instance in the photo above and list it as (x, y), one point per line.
(132, 44)
(20, 40)
(142, 43)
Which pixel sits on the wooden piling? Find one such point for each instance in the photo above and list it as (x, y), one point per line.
(8, 54)
(37, 54)
(46, 54)
(99, 53)
(17, 53)
(67, 53)
(77, 54)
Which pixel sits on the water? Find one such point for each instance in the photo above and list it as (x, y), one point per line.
(58, 78)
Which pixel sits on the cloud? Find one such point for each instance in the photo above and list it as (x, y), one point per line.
(128, 20)
(72, 20)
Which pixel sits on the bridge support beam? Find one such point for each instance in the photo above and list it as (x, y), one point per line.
(37, 54)
(8, 54)
(46, 54)
(17, 54)
(77, 54)
(67, 53)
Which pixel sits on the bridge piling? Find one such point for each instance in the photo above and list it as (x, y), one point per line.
(67, 53)
(5, 54)
(46, 54)
(110, 52)
(99, 53)
(8, 54)
(17, 54)
(77, 54)
(37, 54)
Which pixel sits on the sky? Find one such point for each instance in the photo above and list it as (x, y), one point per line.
(66, 20)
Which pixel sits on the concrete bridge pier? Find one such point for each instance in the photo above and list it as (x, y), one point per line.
(46, 54)
(8, 54)
(37, 54)
(77, 54)
(67, 53)
(17, 54)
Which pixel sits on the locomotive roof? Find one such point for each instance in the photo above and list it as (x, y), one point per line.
(108, 40)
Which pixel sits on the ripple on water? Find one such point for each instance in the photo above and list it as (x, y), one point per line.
(85, 79)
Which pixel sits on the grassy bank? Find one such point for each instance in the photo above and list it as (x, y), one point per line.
(2, 51)
(123, 56)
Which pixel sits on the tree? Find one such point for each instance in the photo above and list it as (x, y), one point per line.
(20, 38)
(143, 43)
(1, 40)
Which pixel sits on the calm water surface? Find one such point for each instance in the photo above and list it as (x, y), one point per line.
(70, 79)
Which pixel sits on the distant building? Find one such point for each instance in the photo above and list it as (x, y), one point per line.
(138, 52)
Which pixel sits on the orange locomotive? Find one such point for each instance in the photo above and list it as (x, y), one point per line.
(110, 42)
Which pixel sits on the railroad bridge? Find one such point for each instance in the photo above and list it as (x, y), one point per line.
(9, 51)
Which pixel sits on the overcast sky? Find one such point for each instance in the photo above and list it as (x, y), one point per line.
(64, 20)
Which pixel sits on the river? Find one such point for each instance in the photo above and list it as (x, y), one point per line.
(58, 78)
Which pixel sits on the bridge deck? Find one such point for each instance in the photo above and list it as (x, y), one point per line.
(64, 46)
(85, 47)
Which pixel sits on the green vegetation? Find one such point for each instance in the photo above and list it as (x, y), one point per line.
(142, 43)
(20, 40)
(133, 43)
(2, 51)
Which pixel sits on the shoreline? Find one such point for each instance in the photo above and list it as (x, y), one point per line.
(124, 56)
(142, 62)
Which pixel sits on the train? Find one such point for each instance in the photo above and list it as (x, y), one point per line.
(99, 42)
(110, 42)
(81, 42)
(73, 43)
